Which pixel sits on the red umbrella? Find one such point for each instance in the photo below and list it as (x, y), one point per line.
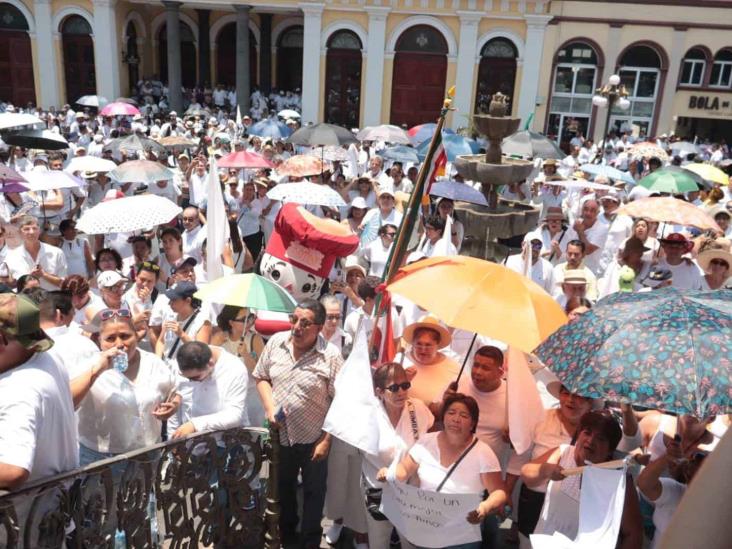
(244, 159)
(119, 109)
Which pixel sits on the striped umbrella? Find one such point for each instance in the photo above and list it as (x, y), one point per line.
(248, 290)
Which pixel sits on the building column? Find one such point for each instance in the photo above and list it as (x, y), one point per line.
(204, 47)
(313, 14)
(243, 86)
(374, 87)
(665, 122)
(175, 78)
(533, 53)
(465, 71)
(106, 50)
(47, 67)
(614, 39)
(265, 53)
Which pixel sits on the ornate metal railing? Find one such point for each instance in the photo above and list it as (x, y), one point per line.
(216, 488)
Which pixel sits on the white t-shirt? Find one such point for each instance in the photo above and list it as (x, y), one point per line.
(73, 350)
(465, 479)
(50, 258)
(197, 188)
(541, 272)
(595, 235)
(37, 424)
(394, 441)
(394, 217)
(685, 276)
(664, 507)
(191, 330)
(217, 402)
(116, 415)
(376, 255)
(94, 304)
(193, 243)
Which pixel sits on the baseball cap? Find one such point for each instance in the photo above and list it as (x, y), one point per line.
(21, 320)
(359, 202)
(107, 279)
(181, 290)
(187, 261)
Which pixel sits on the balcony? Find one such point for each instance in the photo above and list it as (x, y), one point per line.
(216, 488)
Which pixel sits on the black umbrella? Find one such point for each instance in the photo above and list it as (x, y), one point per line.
(321, 135)
(134, 143)
(531, 145)
(37, 139)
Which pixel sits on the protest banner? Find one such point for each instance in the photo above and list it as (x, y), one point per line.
(430, 519)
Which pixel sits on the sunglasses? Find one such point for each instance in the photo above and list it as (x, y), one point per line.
(304, 322)
(720, 262)
(390, 235)
(333, 317)
(150, 265)
(108, 314)
(394, 387)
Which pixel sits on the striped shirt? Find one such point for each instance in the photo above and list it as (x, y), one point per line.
(302, 389)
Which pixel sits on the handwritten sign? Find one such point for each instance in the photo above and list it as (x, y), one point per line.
(430, 519)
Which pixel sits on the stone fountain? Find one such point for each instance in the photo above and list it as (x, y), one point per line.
(502, 218)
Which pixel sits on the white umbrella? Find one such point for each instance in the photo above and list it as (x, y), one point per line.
(306, 193)
(128, 214)
(386, 133)
(88, 163)
(95, 101)
(331, 153)
(12, 120)
(579, 184)
(49, 180)
(141, 171)
(288, 113)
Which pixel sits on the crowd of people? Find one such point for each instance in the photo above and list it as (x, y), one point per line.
(105, 348)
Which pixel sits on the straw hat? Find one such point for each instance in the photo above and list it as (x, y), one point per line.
(554, 386)
(554, 213)
(574, 276)
(707, 255)
(431, 323)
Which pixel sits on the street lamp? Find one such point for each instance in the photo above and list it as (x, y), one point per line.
(611, 94)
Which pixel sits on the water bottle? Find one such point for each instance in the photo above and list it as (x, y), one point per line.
(119, 362)
(169, 337)
(120, 540)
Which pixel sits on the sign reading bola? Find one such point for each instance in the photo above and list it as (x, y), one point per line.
(712, 104)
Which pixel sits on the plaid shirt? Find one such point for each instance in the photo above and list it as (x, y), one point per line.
(303, 389)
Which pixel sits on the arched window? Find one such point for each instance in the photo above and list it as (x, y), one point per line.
(11, 18)
(640, 73)
(289, 59)
(575, 80)
(692, 70)
(496, 72)
(422, 39)
(343, 79)
(76, 24)
(722, 70)
(16, 61)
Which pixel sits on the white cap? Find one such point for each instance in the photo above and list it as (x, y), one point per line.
(107, 279)
(359, 202)
(386, 188)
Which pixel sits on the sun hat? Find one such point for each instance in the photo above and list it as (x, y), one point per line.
(708, 255)
(358, 202)
(107, 279)
(431, 323)
(21, 320)
(678, 238)
(554, 213)
(554, 385)
(574, 276)
(385, 188)
(351, 264)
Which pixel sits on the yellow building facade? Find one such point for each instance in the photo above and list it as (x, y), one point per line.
(365, 62)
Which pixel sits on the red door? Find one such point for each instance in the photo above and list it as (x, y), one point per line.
(417, 87)
(79, 66)
(16, 66)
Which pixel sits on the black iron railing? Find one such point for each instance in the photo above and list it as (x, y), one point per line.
(209, 489)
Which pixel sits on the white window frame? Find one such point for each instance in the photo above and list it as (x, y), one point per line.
(575, 67)
(693, 62)
(721, 72)
(629, 116)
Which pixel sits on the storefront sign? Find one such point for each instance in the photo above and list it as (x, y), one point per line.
(710, 105)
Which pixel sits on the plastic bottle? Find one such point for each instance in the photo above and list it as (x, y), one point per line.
(169, 337)
(120, 540)
(120, 363)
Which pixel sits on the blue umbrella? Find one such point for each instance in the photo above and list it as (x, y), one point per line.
(424, 132)
(458, 191)
(455, 145)
(607, 171)
(401, 154)
(270, 128)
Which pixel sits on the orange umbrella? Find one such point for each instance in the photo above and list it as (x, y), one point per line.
(666, 209)
(302, 165)
(482, 297)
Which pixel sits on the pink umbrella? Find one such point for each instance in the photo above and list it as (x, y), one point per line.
(244, 159)
(119, 109)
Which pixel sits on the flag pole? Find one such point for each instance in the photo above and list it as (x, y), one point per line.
(401, 242)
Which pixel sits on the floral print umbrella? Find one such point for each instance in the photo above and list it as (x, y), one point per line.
(665, 349)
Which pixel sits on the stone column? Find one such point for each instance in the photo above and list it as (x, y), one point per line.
(533, 53)
(311, 61)
(106, 49)
(175, 78)
(465, 72)
(204, 48)
(375, 46)
(243, 86)
(46, 56)
(265, 53)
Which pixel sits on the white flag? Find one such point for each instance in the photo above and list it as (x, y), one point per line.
(525, 408)
(444, 246)
(238, 118)
(352, 414)
(217, 225)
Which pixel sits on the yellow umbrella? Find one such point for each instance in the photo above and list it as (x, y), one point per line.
(483, 297)
(708, 172)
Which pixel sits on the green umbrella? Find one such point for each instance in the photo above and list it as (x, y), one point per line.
(248, 290)
(670, 181)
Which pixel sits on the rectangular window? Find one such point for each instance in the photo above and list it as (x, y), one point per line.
(692, 73)
(721, 74)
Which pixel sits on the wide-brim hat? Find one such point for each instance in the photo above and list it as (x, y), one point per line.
(554, 213)
(678, 238)
(553, 387)
(706, 257)
(20, 318)
(431, 323)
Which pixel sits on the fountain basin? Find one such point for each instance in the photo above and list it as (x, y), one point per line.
(474, 168)
(495, 127)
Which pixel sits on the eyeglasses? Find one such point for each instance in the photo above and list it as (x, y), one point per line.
(333, 317)
(394, 387)
(243, 319)
(108, 314)
(390, 235)
(719, 262)
(304, 322)
(150, 265)
(189, 218)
